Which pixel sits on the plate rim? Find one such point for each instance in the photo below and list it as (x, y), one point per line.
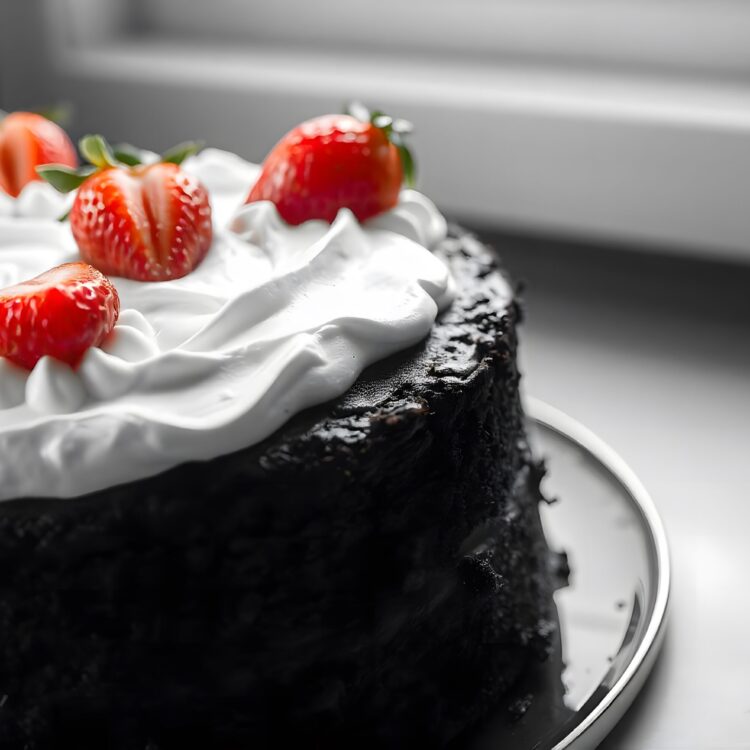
(622, 693)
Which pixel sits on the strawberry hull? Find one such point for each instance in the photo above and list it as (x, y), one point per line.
(372, 575)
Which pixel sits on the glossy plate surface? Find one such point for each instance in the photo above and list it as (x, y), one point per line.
(612, 613)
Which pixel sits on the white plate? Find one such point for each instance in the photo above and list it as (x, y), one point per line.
(612, 613)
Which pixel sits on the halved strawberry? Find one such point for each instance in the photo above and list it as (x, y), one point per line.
(149, 222)
(28, 140)
(61, 313)
(334, 162)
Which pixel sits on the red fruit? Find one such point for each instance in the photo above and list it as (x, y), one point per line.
(150, 223)
(333, 162)
(28, 140)
(61, 313)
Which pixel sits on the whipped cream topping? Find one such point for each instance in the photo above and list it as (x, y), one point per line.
(277, 318)
(37, 200)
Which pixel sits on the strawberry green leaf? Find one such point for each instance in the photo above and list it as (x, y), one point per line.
(62, 178)
(64, 217)
(382, 121)
(96, 150)
(177, 154)
(359, 111)
(401, 126)
(408, 165)
(60, 113)
(127, 154)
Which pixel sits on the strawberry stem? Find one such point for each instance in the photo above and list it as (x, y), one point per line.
(395, 130)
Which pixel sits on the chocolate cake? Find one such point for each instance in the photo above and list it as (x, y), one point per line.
(374, 574)
(269, 484)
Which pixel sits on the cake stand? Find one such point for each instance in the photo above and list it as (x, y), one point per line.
(612, 612)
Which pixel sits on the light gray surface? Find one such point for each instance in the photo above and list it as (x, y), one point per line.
(654, 356)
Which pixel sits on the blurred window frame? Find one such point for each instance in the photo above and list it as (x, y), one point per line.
(627, 120)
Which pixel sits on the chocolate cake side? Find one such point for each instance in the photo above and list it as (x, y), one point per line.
(374, 574)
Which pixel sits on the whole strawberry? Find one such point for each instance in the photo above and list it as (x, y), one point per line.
(149, 222)
(337, 161)
(28, 140)
(61, 313)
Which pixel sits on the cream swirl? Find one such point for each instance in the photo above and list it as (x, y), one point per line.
(37, 200)
(277, 318)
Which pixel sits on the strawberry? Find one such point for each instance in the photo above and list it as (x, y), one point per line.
(149, 222)
(28, 140)
(334, 162)
(61, 313)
